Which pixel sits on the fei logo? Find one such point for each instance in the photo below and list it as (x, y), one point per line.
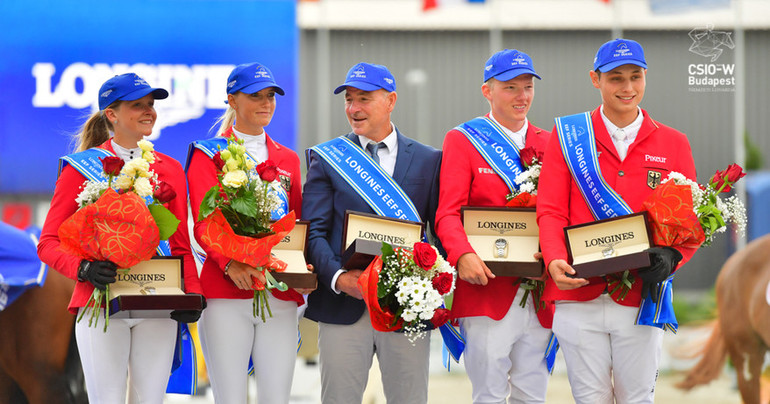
(261, 73)
(192, 89)
(519, 60)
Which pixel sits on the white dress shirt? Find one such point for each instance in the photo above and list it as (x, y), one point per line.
(387, 154)
(126, 154)
(519, 137)
(623, 137)
(256, 145)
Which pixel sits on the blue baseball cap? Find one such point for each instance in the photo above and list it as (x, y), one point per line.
(368, 77)
(619, 52)
(507, 64)
(127, 87)
(251, 78)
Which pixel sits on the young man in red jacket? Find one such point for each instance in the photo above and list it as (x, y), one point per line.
(610, 358)
(504, 342)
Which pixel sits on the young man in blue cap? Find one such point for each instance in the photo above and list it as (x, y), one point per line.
(505, 344)
(403, 168)
(611, 355)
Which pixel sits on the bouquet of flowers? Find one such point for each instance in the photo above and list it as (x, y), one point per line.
(526, 195)
(121, 220)
(405, 287)
(686, 214)
(238, 210)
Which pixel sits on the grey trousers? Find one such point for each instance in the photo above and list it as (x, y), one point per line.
(346, 353)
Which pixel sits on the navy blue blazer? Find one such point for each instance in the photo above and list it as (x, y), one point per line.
(325, 198)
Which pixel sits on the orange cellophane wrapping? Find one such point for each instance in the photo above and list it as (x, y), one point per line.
(670, 209)
(382, 319)
(522, 200)
(220, 237)
(117, 227)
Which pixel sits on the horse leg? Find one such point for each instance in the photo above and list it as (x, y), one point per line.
(36, 331)
(10, 393)
(747, 358)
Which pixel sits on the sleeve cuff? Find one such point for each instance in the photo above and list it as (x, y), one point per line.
(334, 280)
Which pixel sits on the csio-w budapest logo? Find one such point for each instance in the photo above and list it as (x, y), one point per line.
(710, 77)
(192, 88)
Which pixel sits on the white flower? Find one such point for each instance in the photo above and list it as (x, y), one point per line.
(149, 157)
(137, 166)
(143, 187)
(124, 182)
(90, 193)
(232, 165)
(235, 179)
(145, 145)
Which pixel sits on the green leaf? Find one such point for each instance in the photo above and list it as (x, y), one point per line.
(166, 221)
(245, 205)
(209, 202)
(387, 250)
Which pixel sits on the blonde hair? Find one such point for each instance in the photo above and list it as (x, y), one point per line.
(95, 131)
(225, 121)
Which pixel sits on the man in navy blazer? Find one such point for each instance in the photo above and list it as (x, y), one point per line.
(347, 341)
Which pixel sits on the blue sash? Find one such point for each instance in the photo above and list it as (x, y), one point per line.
(87, 163)
(578, 144)
(368, 179)
(496, 147)
(213, 145)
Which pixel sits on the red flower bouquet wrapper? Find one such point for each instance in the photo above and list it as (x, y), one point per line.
(256, 252)
(117, 227)
(522, 200)
(382, 319)
(670, 209)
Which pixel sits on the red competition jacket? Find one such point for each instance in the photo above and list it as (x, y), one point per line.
(657, 148)
(201, 176)
(63, 205)
(467, 179)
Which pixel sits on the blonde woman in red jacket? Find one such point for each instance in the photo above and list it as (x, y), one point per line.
(140, 349)
(229, 331)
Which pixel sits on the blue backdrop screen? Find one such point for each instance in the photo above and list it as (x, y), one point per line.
(56, 55)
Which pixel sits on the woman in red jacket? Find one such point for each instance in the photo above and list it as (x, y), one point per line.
(141, 348)
(229, 330)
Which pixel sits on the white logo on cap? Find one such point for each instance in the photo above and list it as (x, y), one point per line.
(389, 81)
(488, 67)
(622, 51)
(519, 60)
(232, 83)
(106, 93)
(359, 73)
(140, 82)
(261, 72)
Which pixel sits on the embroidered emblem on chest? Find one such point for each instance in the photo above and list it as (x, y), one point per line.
(653, 178)
(285, 182)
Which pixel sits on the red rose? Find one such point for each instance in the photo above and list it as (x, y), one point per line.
(529, 156)
(443, 283)
(268, 171)
(218, 162)
(164, 192)
(424, 255)
(540, 155)
(440, 316)
(727, 178)
(112, 165)
(522, 200)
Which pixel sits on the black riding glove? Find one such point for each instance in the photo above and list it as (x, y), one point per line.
(188, 316)
(663, 261)
(99, 273)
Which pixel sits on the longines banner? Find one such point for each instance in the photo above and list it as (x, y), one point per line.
(56, 55)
